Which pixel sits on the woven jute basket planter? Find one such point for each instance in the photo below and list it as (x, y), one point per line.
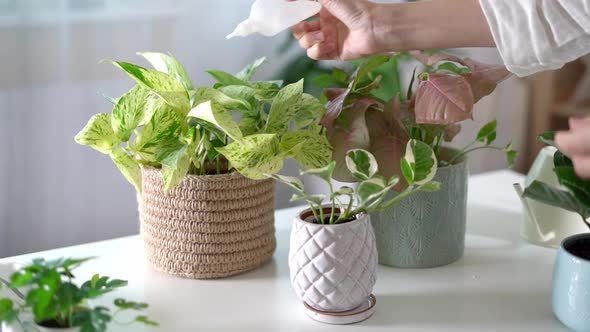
(210, 226)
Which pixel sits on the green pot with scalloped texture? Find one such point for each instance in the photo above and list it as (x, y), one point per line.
(426, 230)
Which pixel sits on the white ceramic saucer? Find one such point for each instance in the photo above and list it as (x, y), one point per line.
(359, 314)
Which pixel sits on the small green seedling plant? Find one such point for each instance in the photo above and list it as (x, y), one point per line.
(166, 122)
(46, 290)
(574, 193)
(418, 166)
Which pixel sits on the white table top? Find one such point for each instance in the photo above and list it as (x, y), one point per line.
(502, 283)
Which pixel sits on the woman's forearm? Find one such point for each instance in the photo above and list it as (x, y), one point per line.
(430, 25)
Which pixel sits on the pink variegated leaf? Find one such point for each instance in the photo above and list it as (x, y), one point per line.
(451, 132)
(349, 132)
(433, 59)
(389, 138)
(335, 105)
(484, 77)
(444, 99)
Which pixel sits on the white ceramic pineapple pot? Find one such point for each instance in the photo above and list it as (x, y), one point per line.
(333, 268)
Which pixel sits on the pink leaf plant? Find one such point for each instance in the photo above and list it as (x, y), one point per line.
(445, 96)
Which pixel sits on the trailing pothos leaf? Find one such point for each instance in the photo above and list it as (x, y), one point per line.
(574, 195)
(346, 203)
(48, 293)
(166, 122)
(359, 118)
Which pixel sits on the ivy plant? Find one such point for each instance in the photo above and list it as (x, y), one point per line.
(418, 166)
(168, 123)
(46, 290)
(574, 193)
(361, 114)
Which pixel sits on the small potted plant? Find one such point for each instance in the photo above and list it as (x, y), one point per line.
(571, 277)
(50, 300)
(333, 254)
(370, 110)
(206, 210)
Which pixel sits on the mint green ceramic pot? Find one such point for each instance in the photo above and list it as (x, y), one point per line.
(427, 229)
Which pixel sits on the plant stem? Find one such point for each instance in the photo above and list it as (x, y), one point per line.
(332, 213)
(474, 149)
(14, 290)
(407, 192)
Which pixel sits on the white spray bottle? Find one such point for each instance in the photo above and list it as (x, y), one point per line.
(270, 17)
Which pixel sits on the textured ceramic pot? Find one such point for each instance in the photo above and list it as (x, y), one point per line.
(426, 230)
(333, 268)
(571, 284)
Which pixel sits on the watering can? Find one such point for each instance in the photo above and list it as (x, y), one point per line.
(543, 224)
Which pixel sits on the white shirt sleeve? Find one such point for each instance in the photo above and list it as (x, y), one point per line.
(538, 35)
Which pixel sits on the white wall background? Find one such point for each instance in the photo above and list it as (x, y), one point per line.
(55, 193)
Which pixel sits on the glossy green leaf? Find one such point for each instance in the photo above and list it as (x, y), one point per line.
(98, 134)
(132, 111)
(166, 125)
(145, 320)
(511, 155)
(255, 156)
(282, 109)
(547, 194)
(129, 305)
(548, 138)
(293, 182)
(8, 312)
(215, 114)
(454, 68)
(314, 150)
(361, 164)
(204, 94)
(580, 188)
(128, 166)
(169, 65)
(175, 167)
(248, 73)
(488, 134)
(368, 66)
(407, 171)
(422, 160)
(325, 173)
(164, 85)
(372, 190)
(310, 111)
(240, 92)
(226, 79)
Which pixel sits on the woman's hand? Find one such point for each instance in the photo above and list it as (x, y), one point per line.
(352, 29)
(344, 31)
(576, 145)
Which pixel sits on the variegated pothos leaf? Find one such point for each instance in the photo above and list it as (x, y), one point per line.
(215, 114)
(164, 85)
(98, 134)
(255, 156)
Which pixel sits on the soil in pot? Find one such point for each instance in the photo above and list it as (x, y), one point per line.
(310, 218)
(579, 248)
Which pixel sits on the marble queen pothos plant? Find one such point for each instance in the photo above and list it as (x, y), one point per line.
(166, 122)
(447, 90)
